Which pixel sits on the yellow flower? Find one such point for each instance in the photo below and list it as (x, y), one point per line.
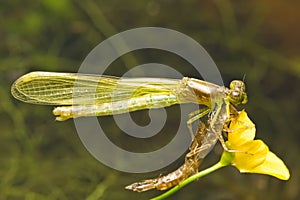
(252, 156)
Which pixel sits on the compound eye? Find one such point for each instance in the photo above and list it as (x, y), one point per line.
(238, 92)
(237, 85)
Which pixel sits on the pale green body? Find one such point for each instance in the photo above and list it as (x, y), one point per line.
(80, 95)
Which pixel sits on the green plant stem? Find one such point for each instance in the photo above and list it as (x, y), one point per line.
(205, 172)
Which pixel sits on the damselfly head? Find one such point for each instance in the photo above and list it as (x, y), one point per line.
(237, 92)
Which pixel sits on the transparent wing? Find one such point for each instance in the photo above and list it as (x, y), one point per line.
(51, 88)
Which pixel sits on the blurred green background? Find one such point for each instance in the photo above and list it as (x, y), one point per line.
(44, 159)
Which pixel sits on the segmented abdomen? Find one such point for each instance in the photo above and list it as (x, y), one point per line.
(144, 102)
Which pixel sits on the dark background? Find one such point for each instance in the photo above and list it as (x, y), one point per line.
(44, 159)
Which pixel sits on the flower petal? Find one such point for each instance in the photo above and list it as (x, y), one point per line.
(251, 155)
(242, 130)
(273, 166)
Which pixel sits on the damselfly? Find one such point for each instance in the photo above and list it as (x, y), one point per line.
(80, 95)
(91, 95)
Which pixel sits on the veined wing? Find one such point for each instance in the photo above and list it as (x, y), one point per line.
(51, 88)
